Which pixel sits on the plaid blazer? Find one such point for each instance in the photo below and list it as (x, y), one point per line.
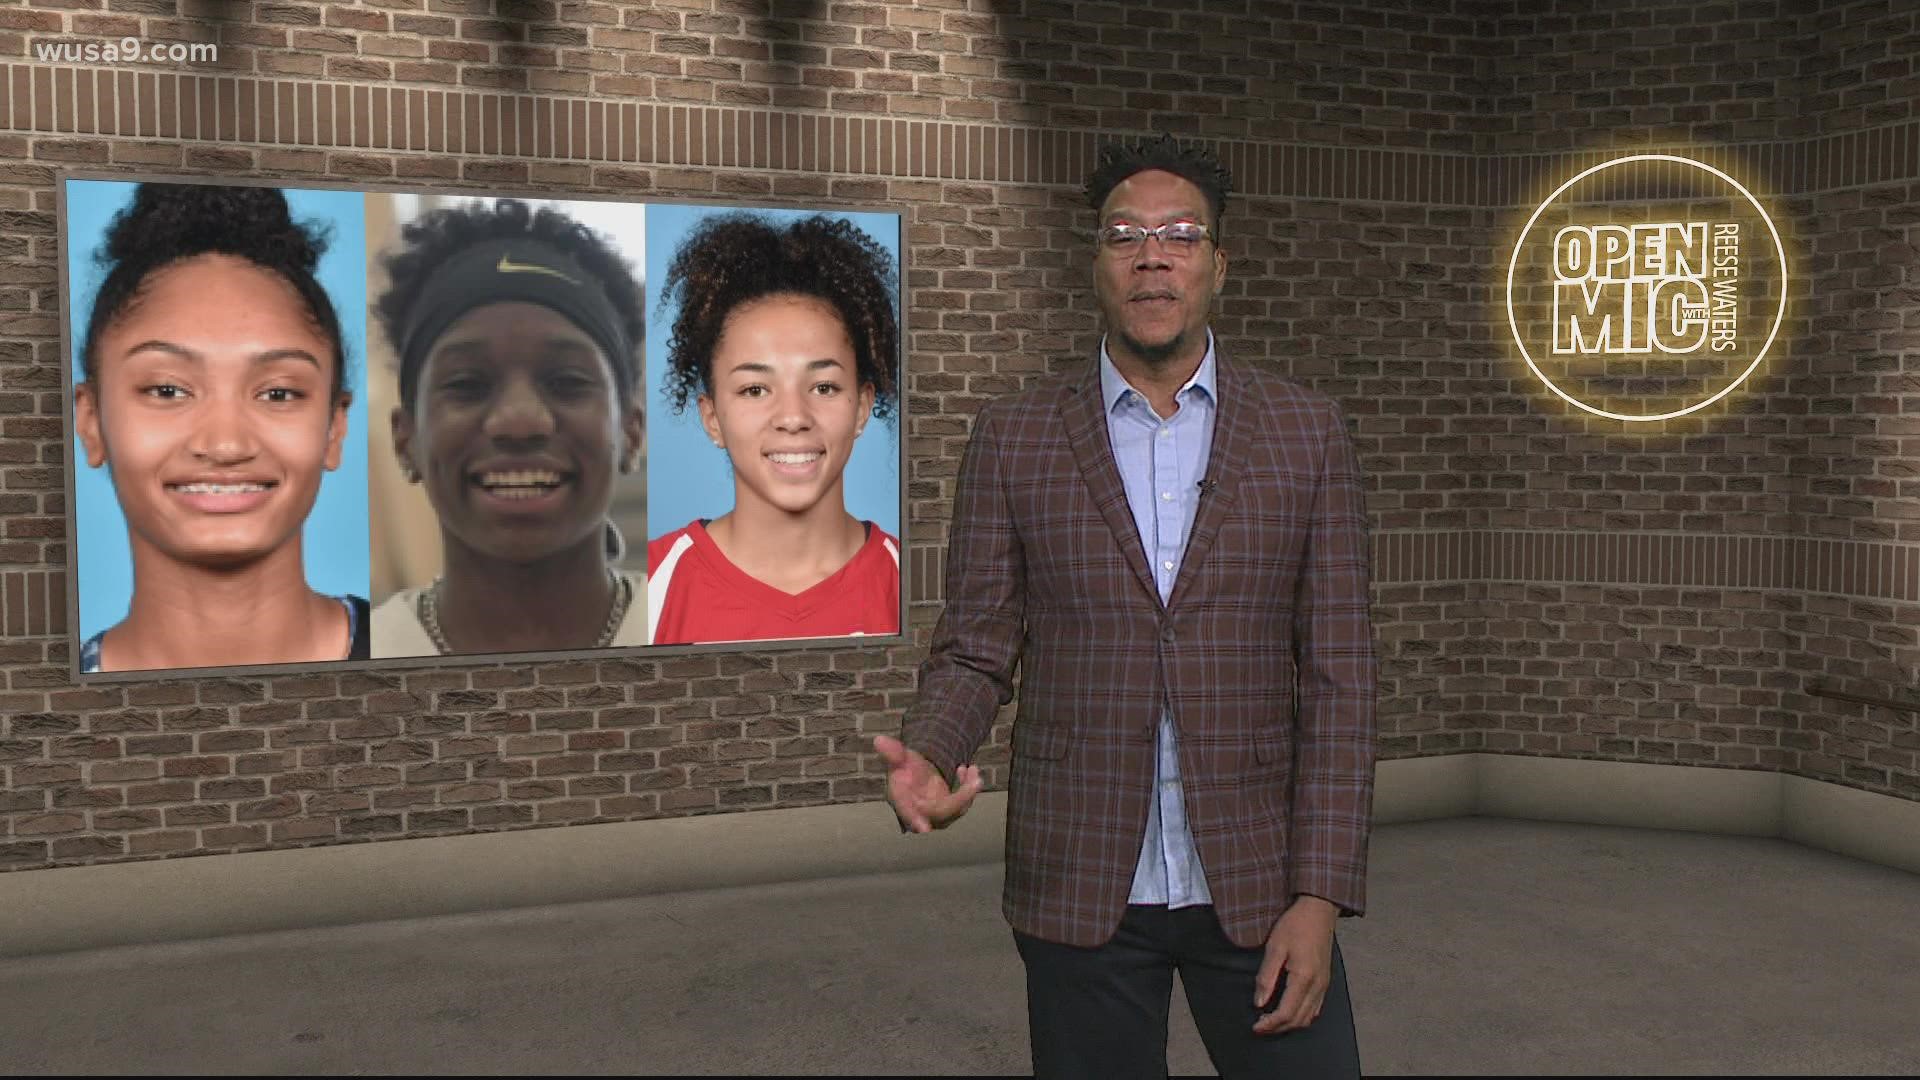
(1265, 650)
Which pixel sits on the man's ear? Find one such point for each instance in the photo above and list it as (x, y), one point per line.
(401, 423)
(86, 423)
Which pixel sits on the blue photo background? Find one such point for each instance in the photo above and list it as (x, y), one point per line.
(336, 538)
(687, 476)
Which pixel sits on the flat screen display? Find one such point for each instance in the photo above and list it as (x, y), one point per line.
(316, 426)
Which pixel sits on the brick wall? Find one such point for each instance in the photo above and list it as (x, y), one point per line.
(1543, 584)
(1862, 425)
(1629, 74)
(1778, 536)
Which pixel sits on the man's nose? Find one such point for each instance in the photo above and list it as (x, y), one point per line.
(1151, 256)
(519, 413)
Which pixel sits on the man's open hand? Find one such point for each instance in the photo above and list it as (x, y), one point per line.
(1301, 945)
(918, 792)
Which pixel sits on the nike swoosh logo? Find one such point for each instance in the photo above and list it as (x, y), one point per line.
(508, 266)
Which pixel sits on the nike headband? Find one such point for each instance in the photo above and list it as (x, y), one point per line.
(498, 271)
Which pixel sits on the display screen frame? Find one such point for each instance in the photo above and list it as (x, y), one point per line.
(362, 365)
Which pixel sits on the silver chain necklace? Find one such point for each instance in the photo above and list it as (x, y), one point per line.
(428, 608)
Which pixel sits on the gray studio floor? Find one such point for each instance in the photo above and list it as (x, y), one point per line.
(1492, 946)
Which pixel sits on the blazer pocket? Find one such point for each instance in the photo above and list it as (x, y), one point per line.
(1045, 741)
(1271, 746)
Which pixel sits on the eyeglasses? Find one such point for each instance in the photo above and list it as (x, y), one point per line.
(1176, 237)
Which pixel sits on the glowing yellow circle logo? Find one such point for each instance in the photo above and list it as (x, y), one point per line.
(1645, 291)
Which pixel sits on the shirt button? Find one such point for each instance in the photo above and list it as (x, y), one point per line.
(1167, 495)
(1164, 432)
(1167, 565)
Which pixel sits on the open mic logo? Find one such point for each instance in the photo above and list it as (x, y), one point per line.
(1646, 287)
(1671, 286)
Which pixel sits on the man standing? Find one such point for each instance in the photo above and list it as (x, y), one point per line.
(1175, 547)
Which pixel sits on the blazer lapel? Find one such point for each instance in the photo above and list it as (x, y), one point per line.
(1233, 424)
(1085, 415)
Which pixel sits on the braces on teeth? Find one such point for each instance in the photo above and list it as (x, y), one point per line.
(219, 489)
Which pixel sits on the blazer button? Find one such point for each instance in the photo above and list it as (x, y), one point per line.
(1166, 633)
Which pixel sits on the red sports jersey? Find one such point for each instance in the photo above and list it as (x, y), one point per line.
(694, 595)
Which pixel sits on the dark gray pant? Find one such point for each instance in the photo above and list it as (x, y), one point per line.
(1101, 1013)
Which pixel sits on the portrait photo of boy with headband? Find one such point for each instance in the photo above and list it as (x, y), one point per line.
(511, 470)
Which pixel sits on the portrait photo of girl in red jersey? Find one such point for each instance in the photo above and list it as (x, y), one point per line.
(774, 498)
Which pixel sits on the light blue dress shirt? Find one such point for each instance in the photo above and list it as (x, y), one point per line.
(1161, 463)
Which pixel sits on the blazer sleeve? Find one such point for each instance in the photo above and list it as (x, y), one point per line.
(1335, 734)
(968, 673)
